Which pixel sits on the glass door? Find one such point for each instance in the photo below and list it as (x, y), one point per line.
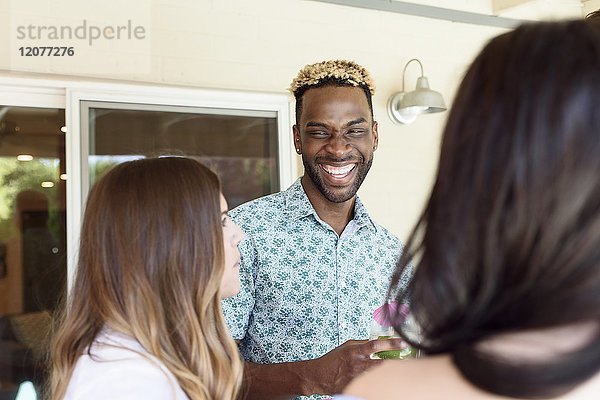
(240, 145)
(33, 263)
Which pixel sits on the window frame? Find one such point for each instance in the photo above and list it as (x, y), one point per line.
(69, 94)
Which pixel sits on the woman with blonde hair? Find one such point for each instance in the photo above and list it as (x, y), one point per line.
(157, 254)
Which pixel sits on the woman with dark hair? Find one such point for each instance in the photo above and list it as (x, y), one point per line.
(506, 289)
(157, 254)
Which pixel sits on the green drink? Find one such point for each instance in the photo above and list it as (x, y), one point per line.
(382, 328)
(393, 354)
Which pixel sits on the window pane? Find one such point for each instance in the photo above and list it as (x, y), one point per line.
(240, 145)
(32, 237)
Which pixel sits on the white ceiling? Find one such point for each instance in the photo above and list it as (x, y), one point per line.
(503, 13)
(538, 9)
(499, 6)
(518, 9)
(502, 7)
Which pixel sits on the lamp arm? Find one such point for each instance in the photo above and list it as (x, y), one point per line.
(404, 71)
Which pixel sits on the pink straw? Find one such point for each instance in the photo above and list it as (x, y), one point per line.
(390, 314)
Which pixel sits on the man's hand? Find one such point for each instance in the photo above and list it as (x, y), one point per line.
(334, 370)
(328, 374)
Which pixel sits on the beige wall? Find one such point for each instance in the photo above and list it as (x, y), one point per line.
(589, 6)
(259, 45)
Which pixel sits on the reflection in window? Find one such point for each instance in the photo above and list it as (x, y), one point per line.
(32, 239)
(240, 145)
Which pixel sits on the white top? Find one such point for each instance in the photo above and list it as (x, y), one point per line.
(120, 369)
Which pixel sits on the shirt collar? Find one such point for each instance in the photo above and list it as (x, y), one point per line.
(299, 206)
(361, 216)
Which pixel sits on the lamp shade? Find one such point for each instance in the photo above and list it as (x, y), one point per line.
(400, 117)
(404, 107)
(422, 100)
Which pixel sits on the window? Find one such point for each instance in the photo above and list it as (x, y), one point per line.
(33, 263)
(245, 137)
(240, 145)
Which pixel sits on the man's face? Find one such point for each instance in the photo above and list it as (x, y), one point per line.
(336, 137)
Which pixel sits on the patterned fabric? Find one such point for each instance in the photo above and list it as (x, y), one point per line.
(305, 290)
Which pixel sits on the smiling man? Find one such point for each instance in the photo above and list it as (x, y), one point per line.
(314, 264)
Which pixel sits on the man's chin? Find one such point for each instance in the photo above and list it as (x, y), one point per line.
(338, 196)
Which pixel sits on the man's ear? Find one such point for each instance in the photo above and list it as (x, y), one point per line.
(297, 141)
(375, 136)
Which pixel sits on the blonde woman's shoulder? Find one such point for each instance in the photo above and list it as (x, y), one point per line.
(117, 367)
(434, 378)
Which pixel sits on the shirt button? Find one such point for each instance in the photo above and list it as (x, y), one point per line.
(342, 284)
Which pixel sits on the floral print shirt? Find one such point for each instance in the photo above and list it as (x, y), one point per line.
(305, 290)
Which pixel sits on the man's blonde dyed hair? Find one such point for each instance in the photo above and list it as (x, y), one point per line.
(342, 71)
(334, 73)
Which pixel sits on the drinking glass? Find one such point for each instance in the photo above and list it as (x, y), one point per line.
(380, 329)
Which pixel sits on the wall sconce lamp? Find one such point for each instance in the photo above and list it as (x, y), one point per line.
(403, 107)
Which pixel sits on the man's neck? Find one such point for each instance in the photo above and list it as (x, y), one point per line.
(336, 215)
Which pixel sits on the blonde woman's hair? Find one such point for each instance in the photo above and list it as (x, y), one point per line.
(150, 265)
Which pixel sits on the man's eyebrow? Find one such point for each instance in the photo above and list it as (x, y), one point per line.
(314, 124)
(323, 125)
(356, 122)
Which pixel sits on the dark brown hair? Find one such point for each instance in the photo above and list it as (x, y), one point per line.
(510, 237)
